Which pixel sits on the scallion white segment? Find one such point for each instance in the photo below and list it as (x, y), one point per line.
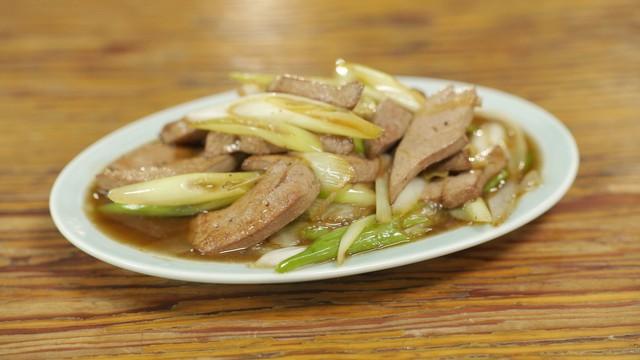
(304, 113)
(280, 134)
(187, 189)
(333, 171)
(409, 196)
(353, 231)
(358, 195)
(383, 208)
(474, 211)
(381, 82)
(274, 257)
(502, 202)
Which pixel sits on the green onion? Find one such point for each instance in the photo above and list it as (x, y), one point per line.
(353, 231)
(280, 134)
(325, 248)
(474, 211)
(413, 219)
(333, 171)
(359, 146)
(383, 208)
(305, 113)
(496, 181)
(358, 195)
(187, 189)
(164, 211)
(409, 196)
(381, 82)
(315, 231)
(528, 162)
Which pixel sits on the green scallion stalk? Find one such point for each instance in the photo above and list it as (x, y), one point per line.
(325, 247)
(164, 211)
(496, 181)
(359, 146)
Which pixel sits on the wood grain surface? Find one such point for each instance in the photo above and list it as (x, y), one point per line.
(566, 286)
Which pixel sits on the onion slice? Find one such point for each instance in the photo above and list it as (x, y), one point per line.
(503, 201)
(380, 82)
(530, 181)
(333, 171)
(474, 211)
(166, 211)
(353, 231)
(187, 189)
(274, 257)
(280, 134)
(305, 113)
(383, 208)
(358, 195)
(409, 196)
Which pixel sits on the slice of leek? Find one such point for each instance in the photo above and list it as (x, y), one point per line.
(409, 196)
(353, 231)
(474, 211)
(358, 146)
(358, 195)
(381, 82)
(383, 207)
(305, 113)
(333, 171)
(188, 189)
(495, 182)
(277, 133)
(165, 211)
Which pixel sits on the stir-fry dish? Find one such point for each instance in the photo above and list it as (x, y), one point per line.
(304, 170)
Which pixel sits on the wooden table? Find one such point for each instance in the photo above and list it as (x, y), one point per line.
(566, 286)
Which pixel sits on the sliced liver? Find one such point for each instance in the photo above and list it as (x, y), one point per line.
(336, 144)
(454, 191)
(457, 163)
(346, 96)
(113, 178)
(181, 133)
(152, 154)
(283, 194)
(366, 170)
(217, 143)
(435, 134)
(394, 120)
(256, 146)
(433, 190)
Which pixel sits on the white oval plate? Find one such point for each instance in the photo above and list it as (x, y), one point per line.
(559, 167)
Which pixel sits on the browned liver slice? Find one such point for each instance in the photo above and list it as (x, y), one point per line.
(458, 162)
(394, 121)
(337, 144)
(283, 194)
(346, 96)
(454, 191)
(434, 134)
(217, 143)
(152, 154)
(181, 133)
(113, 178)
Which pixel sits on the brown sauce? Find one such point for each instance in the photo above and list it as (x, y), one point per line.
(169, 236)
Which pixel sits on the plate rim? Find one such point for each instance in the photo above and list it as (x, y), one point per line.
(270, 276)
